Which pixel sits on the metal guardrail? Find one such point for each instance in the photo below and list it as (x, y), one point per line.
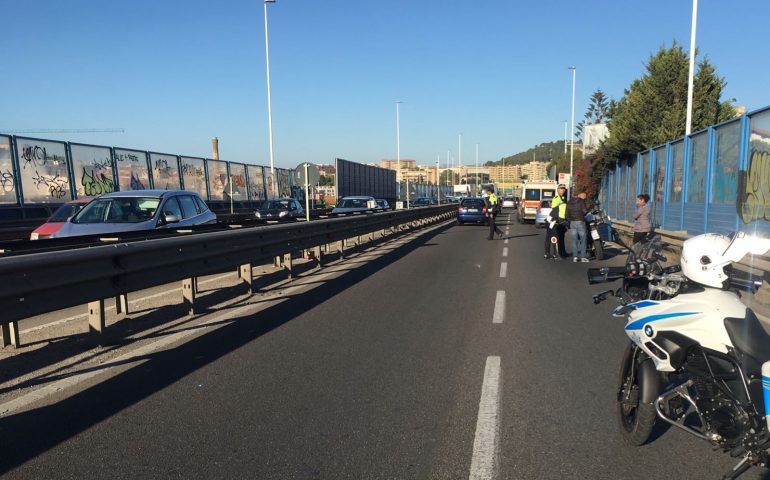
(39, 283)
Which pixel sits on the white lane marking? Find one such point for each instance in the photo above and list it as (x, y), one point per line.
(486, 446)
(136, 300)
(499, 314)
(503, 269)
(506, 241)
(505, 251)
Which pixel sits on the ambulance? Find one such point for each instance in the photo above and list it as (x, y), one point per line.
(533, 193)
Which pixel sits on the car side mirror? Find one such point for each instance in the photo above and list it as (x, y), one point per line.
(170, 218)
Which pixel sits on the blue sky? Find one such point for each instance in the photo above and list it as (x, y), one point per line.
(173, 74)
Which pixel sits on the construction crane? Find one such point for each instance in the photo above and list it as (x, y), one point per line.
(67, 130)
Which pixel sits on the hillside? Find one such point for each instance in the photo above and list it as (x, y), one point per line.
(541, 153)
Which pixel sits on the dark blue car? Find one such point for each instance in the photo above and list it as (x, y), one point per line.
(471, 210)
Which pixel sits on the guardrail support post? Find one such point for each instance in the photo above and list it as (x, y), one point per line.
(277, 261)
(341, 248)
(287, 263)
(121, 304)
(317, 254)
(189, 292)
(96, 321)
(11, 334)
(245, 275)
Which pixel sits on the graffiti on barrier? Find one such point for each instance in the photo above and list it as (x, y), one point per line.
(35, 156)
(57, 186)
(96, 184)
(754, 189)
(7, 181)
(136, 183)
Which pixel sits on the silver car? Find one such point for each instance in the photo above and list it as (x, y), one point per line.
(138, 210)
(355, 204)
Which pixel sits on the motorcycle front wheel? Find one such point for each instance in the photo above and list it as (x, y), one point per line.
(598, 250)
(636, 417)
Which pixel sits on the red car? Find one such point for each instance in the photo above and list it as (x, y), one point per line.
(59, 218)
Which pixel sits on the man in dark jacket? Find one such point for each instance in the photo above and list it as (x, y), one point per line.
(576, 214)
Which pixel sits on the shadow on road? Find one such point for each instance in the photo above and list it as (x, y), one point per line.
(23, 436)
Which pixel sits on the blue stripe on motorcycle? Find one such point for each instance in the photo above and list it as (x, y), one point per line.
(766, 393)
(644, 303)
(639, 324)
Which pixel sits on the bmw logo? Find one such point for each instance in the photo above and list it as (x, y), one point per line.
(648, 330)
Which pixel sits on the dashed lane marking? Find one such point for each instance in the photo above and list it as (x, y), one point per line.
(505, 251)
(499, 314)
(485, 463)
(503, 269)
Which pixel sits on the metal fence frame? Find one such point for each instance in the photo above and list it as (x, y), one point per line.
(620, 186)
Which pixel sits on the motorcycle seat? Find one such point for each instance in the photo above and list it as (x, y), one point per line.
(749, 336)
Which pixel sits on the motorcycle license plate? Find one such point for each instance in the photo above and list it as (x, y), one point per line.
(595, 234)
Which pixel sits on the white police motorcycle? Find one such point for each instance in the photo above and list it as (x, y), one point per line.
(698, 359)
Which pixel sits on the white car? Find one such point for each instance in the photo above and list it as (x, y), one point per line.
(355, 204)
(509, 202)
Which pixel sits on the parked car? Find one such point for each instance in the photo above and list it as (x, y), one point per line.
(541, 217)
(138, 210)
(382, 203)
(58, 219)
(471, 210)
(509, 202)
(421, 202)
(355, 204)
(280, 209)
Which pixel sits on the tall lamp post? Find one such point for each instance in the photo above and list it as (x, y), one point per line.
(477, 168)
(398, 149)
(688, 125)
(572, 131)
(269, 104)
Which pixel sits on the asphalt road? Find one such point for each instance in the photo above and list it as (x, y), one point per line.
(403, 367)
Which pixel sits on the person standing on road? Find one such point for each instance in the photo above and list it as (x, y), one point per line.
(559, 203)
(642, 225)
(576, 214)
(490, 202)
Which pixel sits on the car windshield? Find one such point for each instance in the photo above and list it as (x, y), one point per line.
(276, 205)
(65, 211)
(352, 203)
(118, 210)
(473, 203)
(545, 204)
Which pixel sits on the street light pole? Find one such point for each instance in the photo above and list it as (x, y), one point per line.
(572, 132)
(477, 167)
(269, 104)
(398, 149)
(688, 124)
(565, 138)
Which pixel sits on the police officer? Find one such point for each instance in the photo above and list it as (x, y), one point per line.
(559, 202)
(490, 202)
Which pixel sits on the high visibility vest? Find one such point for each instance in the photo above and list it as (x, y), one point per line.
(493, 199)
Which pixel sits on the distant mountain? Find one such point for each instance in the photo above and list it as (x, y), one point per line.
(544, 152)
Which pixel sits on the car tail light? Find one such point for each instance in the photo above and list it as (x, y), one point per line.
(460, 210)
(484, 210)
(538, 210)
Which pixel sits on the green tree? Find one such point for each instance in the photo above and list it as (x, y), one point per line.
(653, 109)
(598, 108)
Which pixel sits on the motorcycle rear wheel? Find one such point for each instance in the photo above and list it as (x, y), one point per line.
(636, 417)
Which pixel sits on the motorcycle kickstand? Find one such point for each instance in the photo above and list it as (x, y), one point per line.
(739, 469)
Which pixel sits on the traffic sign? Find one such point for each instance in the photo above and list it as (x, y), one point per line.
(312, 172)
